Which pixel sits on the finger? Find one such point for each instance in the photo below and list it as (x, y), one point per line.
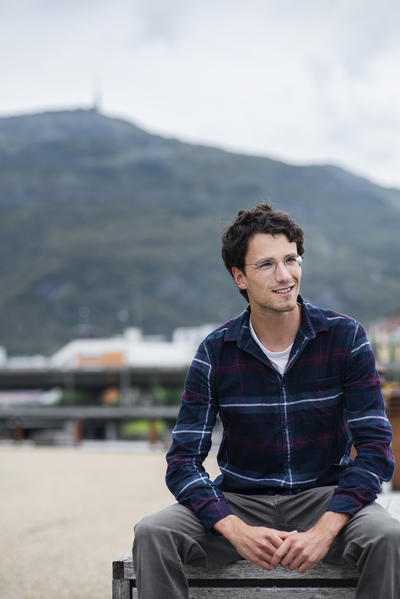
(268, 544)
(279, 554)
(284, 535)
(295, 563)
(289, 558)
(304, 567)
(263, 557)
(264, 564)
(268, 553)
(275, 543)
(278, 538)
(286, 541)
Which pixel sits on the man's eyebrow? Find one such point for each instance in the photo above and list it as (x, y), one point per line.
(270, 259)
(261, 260)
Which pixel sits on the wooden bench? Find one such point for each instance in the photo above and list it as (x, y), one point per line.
(244, 580)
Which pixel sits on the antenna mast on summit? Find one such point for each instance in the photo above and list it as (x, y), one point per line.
(96, 97)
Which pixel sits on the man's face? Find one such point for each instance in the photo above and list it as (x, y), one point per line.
(271, 275)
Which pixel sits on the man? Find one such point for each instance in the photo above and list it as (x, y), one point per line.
(295, 387)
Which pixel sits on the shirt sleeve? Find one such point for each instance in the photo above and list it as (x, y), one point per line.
(360, 483)
(186, 477)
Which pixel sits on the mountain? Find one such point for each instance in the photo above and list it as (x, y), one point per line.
(104, 225)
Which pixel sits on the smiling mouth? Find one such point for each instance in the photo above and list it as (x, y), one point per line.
(284, 290)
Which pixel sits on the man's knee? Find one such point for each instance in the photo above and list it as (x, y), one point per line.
(375, 532)
(144, 527)
(168, 524)
(389, 536)
(172, 534)
(147, 531)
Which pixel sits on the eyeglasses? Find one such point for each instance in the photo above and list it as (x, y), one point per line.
(268, 266)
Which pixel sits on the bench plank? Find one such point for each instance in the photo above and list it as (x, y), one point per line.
(244, 580)
(244, 569)
(260, 593)
(123, 568)
(122, 589)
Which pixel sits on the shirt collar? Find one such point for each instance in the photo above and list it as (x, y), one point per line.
(313, 321)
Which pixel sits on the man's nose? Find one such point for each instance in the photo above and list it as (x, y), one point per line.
(281, 272)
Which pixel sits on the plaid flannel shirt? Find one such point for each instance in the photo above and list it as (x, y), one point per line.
(282, 434)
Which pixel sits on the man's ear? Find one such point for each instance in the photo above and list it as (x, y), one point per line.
(239, 277)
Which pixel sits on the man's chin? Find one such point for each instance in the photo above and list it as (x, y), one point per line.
(288, 308)
(286, 304)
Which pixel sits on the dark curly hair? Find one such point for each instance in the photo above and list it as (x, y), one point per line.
(261, 219)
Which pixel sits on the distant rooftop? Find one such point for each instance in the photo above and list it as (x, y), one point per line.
(132, 348)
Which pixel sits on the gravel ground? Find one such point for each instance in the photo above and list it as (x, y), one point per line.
(68, 513)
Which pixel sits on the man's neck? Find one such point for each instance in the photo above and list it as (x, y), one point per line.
(276, 330)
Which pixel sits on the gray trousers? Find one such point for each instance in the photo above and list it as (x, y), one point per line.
(174, 536)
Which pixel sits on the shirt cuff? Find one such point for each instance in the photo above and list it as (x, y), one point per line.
(346, 502)
(212, 512)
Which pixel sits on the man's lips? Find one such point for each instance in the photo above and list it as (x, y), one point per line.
(284, 290)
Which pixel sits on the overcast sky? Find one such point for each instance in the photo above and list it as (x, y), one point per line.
(306, 81)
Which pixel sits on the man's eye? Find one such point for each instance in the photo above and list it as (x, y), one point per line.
(264, 265)
(291, 260)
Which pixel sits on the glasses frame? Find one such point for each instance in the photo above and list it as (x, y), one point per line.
(273, 263)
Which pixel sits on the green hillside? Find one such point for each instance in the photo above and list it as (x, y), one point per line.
(100, 219)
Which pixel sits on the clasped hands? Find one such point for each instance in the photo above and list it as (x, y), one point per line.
(269, 548)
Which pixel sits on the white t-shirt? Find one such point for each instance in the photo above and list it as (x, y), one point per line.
(278, 358)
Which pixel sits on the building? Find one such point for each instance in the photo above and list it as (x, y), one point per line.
(132, 349)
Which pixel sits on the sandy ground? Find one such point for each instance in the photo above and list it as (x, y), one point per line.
(66, 514)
